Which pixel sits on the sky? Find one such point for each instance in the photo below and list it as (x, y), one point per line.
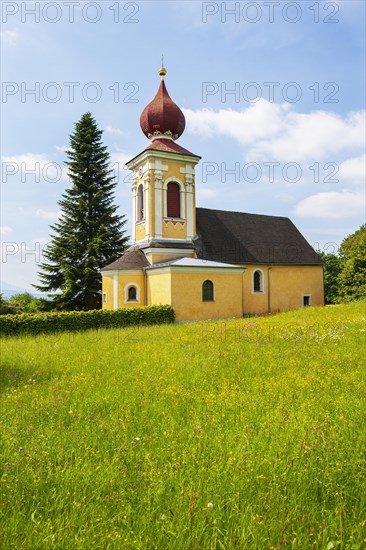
(273, 93)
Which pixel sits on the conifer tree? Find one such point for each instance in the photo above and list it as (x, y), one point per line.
(89, 233)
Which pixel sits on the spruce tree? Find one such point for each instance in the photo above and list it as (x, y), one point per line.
(89, 233)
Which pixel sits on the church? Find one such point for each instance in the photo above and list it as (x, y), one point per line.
(206, 264)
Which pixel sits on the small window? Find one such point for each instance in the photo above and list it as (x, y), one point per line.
(132, 294)
(104, 297)
(306, 300)
(173, 200)
(257, 281)
(140, 203)
(208, 291)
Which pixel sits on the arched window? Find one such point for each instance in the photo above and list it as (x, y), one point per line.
(173, 200)
(132, 293)
(208, 291)
(258, 281)
(140, 203)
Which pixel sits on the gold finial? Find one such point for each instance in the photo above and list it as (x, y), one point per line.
(162, 70)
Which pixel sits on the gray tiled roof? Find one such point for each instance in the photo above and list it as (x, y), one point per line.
(237, 237)
(133, 258)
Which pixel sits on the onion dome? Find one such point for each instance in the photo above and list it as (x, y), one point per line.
(162, 118)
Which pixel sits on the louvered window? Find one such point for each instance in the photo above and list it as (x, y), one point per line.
(173, 200)
(140, 203)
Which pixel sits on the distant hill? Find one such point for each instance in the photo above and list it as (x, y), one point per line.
(8, 290)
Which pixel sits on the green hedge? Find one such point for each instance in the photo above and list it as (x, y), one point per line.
(74, 321)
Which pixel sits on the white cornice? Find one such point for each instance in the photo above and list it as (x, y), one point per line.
(163, 155)
(112, 272)
(183, 269)
(172, 251)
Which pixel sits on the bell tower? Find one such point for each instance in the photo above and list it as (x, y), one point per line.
(163, 189)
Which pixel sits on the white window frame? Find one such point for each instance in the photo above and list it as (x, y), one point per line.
(182, 198)
(126, 289)
(261, 291)
(138, 203)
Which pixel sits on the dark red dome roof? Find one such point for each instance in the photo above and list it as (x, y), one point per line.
(162, 117)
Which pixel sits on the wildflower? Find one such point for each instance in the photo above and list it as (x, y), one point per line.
(210, 505)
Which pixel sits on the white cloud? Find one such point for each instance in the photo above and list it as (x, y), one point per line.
(271, 131)
(111, 130)
(353, 170)
(261, 119)
(62, 148)
(9, 38)
(332, 205)
(343, 204)
(48, 215)
(5, 230)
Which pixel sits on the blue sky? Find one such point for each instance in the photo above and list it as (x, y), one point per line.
(273, 94)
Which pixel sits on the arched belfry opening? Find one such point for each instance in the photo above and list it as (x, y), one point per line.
(173, 200)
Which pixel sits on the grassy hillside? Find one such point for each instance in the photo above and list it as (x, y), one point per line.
(248, 434)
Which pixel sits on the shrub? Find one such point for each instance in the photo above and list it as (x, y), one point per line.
(74, 321)
(6, 308)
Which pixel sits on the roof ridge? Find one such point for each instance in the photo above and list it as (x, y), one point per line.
(243, 213)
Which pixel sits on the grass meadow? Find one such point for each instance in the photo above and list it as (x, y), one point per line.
(245, 434)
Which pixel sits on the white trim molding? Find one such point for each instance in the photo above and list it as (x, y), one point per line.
(162, 156)
(126, 289)
(116, 272)
(182, 197)
(115, 291)
(158, 185)
(186, 269)
(261, 282)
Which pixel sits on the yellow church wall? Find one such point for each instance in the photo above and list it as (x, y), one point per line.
(174, 170)
(107, 287)
(187, 295)
(159, 288)
(140, 231)
(124, 280)
(174, 231)
(288, 284)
